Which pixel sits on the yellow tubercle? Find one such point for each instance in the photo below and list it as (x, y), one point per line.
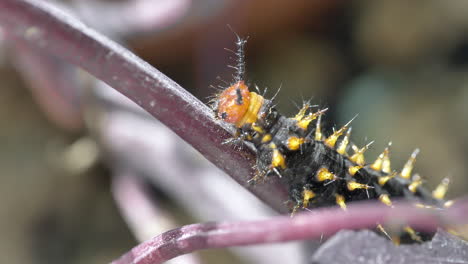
(277, 160)
(307, 195)
(377, 165)
(406, 171)
(353, 170)
(266, 138)
(386, 165)
(344, 143)
(294, 143)
(304, 123)
(318, 129)
(352, 185)
(441, 189)
(415, 183)
(324, 174)
(340, 200)
(382, 162)
(448, 203)
(258, 128)
(385, 199)
(358, 156)
(299, 116)
(413, 234)
(384, 179)
(331, 140)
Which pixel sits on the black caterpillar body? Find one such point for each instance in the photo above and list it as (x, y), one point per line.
(318, 169)
(316, 155)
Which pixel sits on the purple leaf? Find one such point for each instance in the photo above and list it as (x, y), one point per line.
(367, 247)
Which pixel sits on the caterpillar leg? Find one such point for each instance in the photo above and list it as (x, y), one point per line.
(307, 195)
(270, 158)
(413, 235)
(237, 138)
(407, 233)
(294, 210)
(302, 198)
(259, 175)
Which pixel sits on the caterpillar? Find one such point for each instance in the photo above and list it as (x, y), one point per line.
(317, 168)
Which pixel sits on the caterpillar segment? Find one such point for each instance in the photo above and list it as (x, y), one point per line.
(296, 151)
(317, 168)
(356, 180)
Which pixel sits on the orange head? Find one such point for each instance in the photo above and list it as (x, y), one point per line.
(237, 105)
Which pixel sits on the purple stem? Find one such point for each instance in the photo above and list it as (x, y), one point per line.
(54, 31)
(281, 229)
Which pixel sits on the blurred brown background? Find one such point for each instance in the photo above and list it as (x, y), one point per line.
(401, 65)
